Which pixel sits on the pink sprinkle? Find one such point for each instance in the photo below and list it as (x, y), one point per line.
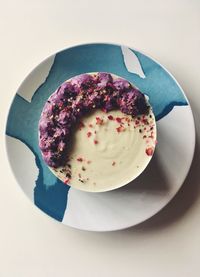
(118, 119)
(99, 121)
(89, 134)
(149, 151)
(110, 117)
(120, 129)
(79, 159)
(81, 124)
(66, 181)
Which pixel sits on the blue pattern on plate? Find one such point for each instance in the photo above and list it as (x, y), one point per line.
(50, 194)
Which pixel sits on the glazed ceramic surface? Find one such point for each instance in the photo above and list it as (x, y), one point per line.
(123, 207)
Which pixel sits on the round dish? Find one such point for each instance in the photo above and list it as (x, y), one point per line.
(114, 138)
(126, 206)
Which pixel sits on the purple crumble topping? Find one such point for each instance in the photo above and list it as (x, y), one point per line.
(76, 97)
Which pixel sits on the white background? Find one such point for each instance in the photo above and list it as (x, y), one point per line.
(32, 244)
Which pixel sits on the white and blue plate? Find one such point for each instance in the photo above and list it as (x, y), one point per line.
(133, 203)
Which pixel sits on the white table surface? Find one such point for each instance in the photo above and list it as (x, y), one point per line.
(32, 244)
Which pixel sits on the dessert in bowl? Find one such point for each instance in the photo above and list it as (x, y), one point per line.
(97, 132)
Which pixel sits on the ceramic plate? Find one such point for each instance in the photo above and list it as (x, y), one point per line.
(133, 203)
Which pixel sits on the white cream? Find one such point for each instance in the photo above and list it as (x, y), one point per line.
(103, 157)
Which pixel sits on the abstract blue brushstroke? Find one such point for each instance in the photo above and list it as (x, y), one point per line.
(50, 194)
